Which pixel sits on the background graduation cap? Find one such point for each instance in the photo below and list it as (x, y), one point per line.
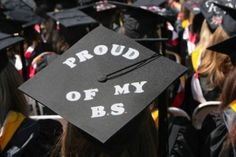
(151, 43)
(214, 14)
(18, 4)
(72, 18)
(104, 12)
(25, 18)
(6, 40)
(227, 47)
(230, 10)
(103, 71)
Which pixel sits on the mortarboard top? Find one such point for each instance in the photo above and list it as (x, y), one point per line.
(229, 10)
(19, 4)
(72, 17)
(119, 77)
(103, 11)
(228, 47)
(149, 2)
(151, 43)
(6, 40)
(192, 6)
(137, 21)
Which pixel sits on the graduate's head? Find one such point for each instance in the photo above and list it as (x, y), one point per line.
(137, 139)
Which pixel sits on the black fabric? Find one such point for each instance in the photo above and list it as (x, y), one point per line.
(216, 143)
(183, 138)
(189, 103)
(33, 139)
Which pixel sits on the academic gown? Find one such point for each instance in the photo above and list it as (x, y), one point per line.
(215, 145)
(33, 139)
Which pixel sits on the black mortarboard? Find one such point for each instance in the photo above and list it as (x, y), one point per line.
(72, 17)
(214, 15)
(151, 43)
(229, 18)
(103, 11)
(139, 22)
(228, 47)
(6, 40)
(229, 10)
(149, 2)
(102, 82)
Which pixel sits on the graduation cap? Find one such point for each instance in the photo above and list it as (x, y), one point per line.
(149, 2)
(102, 82)
(19, 4)
(229, 18)
(23, 17)
(6, 40)
(151, 43)
(227, 47)
(103, 11)
(72, 17)
(213, 14)
(230, 10)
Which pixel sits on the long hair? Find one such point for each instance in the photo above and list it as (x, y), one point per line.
(10, 97)
(228, 95)
(215, 65)
(137, 139)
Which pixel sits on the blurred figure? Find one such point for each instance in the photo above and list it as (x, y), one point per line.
(221, 141)
(20, 136)
(132, 141)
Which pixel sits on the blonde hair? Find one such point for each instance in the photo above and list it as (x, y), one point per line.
(213, 64)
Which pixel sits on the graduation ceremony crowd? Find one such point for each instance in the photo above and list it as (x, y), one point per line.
(121, 78)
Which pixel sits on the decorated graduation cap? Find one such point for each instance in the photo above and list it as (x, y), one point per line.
(19, 4)
(6, 40)
(228, 47)
(102, 82)
(72, 17)
(214, 14)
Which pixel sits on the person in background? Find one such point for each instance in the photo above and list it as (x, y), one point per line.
(221, 141)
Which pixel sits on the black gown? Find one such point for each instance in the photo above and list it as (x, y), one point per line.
(33, 139)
